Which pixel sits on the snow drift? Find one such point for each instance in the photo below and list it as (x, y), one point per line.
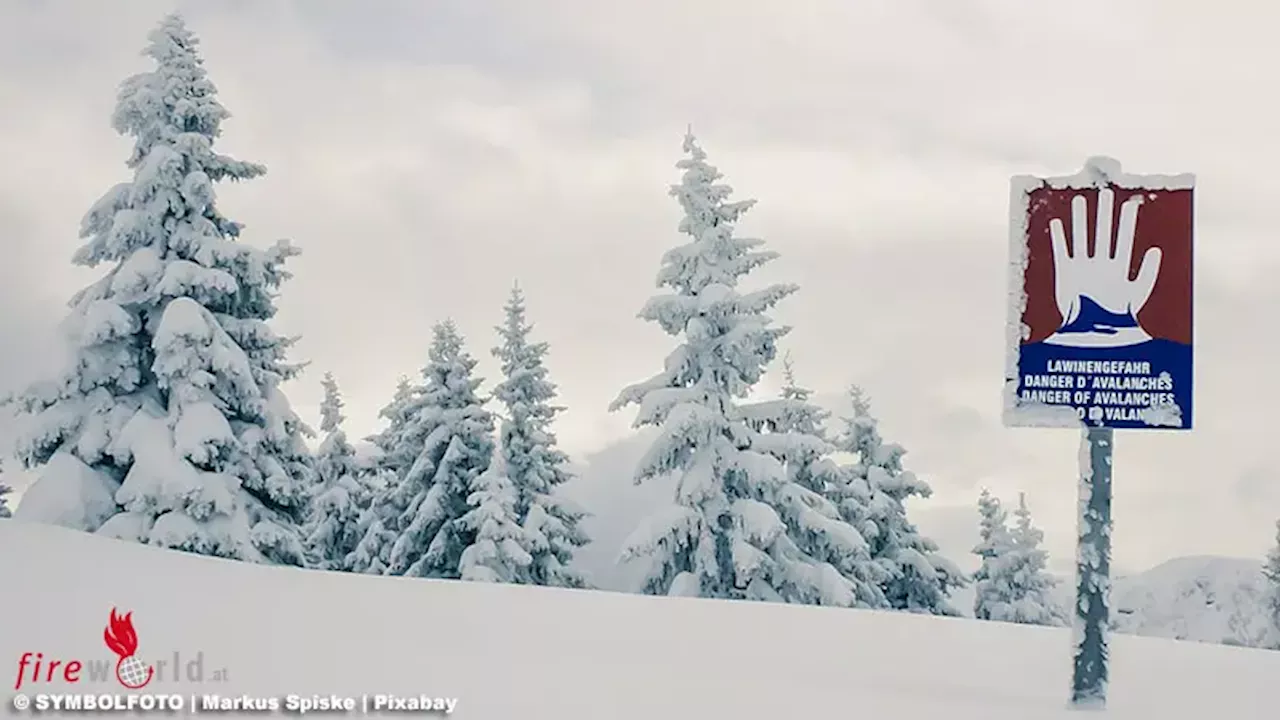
(508, 652)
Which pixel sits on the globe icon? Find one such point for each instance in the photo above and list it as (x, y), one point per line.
(132, 672)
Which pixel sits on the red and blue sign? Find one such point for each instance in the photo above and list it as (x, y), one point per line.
(1101, 300)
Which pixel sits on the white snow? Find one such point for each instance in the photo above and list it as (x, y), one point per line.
(617, 656)
(1162, 415)
(80, 498)
(1100, 170)
(1016, 303)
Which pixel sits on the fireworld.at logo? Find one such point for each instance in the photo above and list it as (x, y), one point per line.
(123, 641)
(128, 668)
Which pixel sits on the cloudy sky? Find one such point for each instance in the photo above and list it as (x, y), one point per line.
(427, 154)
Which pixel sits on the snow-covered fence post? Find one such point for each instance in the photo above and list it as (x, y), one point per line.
(1099, 338)
(1093, 570)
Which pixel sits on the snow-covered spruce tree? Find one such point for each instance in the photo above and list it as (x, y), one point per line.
(994, 543)
(4, 500)
(535, 467)
(331, 529)
(376, 526)
(501, 550)
(450, 434)
(1033, 586)
(1012, 584)
(920, 578)
(1271, 569)
(396, 413)
(375, 530)
(809, 505)
(724, 536)
(168, 425)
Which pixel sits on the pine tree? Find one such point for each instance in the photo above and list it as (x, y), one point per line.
(1012, 584)
(1272, 572)
(331, 530)
(168, 426)
(1034, 602)
(501, 550)
(450, 436)
(993, 546)
(376, 526)
(331, 417)
(396, 413)
(920, 578)
(725, 536)
(4, 501)
(535, 467)
(810, 503)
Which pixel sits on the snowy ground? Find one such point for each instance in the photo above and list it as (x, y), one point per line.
(509, 652)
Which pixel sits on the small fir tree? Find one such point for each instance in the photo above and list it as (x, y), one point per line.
(450, 435)
(810, 503)
(994, 543)
(397, 413)
(1013, 584)
(332, 528)
(1272, 572)
(536, 468)
(502, 549)
(920, 578)
(378, 520)
(5, 512)
(1034, 602)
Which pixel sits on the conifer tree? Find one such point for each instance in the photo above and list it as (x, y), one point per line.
(1272, 572)
(450, 436)
(536, 468)
(501, 549)
(994, 543)
(1013, 584)
(396, 413)
(810, 504)
(4, 501)
(724, 536)
(376, 533)
(376, 526)
(331, 529)
(168, 426)
(920, 578)
(1034, 602)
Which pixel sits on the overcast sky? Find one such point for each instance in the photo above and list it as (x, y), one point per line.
(425, 155)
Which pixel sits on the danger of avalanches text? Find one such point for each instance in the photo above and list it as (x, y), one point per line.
(1121, 389)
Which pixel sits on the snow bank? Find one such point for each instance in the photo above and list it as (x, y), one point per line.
(69, 494)
(589, 654)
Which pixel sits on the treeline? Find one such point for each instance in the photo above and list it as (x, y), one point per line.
(169, 426)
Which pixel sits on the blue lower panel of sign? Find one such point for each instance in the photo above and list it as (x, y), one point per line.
(1112, 387)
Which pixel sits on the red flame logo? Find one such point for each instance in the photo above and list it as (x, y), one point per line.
(123, 641)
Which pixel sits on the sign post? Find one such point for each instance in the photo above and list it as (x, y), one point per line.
(1093, 572)
(1099, 339)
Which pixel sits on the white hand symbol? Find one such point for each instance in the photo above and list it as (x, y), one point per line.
(1101, 278)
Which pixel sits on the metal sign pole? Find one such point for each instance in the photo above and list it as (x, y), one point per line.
(1093, 573)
